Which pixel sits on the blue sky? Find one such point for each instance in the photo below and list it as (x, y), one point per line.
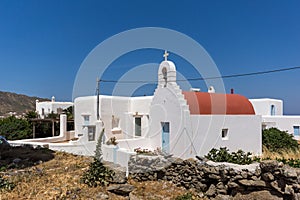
(43, 43)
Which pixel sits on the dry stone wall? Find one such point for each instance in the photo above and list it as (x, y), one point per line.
(219, 179)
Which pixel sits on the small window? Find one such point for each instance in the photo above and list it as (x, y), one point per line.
(296, 131)
(225, 134)
(165, 76)
(115, 122)
(91, 133)
(43, 111)
(86, 119)
(138, 126)
(272, 110)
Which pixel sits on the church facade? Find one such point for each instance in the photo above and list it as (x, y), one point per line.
(181, 123)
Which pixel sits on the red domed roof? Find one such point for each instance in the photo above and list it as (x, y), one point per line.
(220, 104)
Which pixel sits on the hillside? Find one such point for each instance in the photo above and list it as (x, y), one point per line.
(19, 103)
(44, 174)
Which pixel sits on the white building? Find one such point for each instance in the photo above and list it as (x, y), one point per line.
(271, 111)
(122, 117)
(184, 124)
(47, 107)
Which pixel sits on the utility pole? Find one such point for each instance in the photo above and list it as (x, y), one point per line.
(98, 94)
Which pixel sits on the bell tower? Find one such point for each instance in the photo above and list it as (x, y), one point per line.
(166, 72)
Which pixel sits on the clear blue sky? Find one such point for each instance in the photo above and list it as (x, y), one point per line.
(43, 43)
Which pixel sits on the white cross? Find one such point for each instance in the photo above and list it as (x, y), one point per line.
(166, 54)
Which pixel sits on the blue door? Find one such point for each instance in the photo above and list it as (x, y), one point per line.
(165, 137)
(296, 131)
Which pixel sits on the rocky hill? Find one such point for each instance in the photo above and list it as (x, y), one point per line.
(19, 103)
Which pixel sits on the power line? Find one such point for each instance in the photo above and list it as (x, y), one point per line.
(210, 78)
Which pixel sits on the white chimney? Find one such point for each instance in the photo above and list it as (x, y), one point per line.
(195, 89)
(211, 89)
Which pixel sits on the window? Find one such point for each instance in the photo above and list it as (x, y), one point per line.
(138, 126)
(165, 137)
(225, 134)
(165, 76)
(86, 119)
(91, 133)
(296, 131)
(272, 110)
(43, 111)
(115, 122)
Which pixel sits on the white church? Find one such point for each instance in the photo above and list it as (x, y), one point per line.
(181, 123)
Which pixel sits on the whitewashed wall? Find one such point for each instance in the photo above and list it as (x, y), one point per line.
(284, 123)
(263, 106)
(167, 107)
(84, 106)
(244, 132)
(123, 108)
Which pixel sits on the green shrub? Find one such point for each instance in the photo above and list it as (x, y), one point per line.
(291, 162)
(223, 155)
(97, 174)
(187, 196)
(5, 184)
(277, 141)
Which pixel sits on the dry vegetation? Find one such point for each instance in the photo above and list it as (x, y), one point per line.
(287, 154)
(59, 178)
(45, 174)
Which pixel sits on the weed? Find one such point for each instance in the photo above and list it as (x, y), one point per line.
(5, 184)
(187, 196)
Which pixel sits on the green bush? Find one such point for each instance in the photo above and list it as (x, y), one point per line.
(5, 184)
(187, 196)
(277, 141)
(223, 155)
(13, 128)
(97, 174)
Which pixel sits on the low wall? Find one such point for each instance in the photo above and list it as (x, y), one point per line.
(219, 179)
(116, 155)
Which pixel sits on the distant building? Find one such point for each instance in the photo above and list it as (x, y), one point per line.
(45, 108)
(271, 111)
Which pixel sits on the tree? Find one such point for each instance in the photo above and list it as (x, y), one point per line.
(13, 128)
(69, 112)
(31, 115)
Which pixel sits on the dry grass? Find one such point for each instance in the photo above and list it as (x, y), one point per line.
(284, 154)
(59, 178)
(154, 190)
(55, 179)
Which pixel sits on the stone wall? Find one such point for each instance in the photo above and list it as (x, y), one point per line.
(219, 179)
